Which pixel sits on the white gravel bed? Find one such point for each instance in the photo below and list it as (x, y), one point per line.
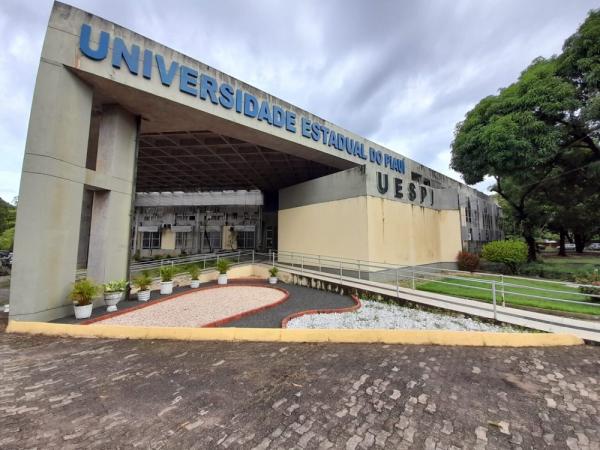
(383, 316)
(199, 308)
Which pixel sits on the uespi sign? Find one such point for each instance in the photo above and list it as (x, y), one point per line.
(207, 88)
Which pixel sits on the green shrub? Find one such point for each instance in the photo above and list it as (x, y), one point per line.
(592, 282)
(143, 281)
(467, 261)
(194, 271)
(513, 254)
(84, 291)
(273, 271)
(115, 286)
(223, 266)
(167, 273)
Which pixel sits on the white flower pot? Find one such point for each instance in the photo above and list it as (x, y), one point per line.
(143, 296)
(111, 299)
(83, 312)
(222, 278)
(272, 280)
(166, 287)
(195, 284)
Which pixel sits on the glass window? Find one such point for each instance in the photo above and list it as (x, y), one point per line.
(183, 239)
(151, 239)
(211, 241)
(245, 239)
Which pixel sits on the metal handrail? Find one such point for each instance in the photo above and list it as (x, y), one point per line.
(418, 273)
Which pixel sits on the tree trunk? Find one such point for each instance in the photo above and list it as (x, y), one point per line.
(579, 242)
(561, 249)
(530, 240)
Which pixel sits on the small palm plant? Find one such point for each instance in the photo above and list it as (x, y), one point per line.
(84, 291)
(223, 266)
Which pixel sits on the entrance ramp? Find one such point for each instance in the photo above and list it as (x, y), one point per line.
(403, 282)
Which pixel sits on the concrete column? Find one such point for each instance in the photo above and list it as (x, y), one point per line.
(50, 196)
(108, 257)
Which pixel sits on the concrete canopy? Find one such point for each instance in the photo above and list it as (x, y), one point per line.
(183, 149)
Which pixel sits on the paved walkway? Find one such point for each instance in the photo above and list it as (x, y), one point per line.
(585, 329)
(98, 393)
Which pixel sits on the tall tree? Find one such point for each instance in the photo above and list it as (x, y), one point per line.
(526, 135)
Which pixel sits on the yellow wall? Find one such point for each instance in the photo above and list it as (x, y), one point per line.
(167, 240)
(373, 229)
(401, 233)
(337, 228)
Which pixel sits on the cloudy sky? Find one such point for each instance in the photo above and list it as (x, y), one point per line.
(401, 73)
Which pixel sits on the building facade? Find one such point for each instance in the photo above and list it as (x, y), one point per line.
(117, 117)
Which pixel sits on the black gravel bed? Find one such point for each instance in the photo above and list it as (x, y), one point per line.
(301, 299)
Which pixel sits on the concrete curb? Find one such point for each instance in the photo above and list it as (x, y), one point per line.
(354, 307)
(406, 337)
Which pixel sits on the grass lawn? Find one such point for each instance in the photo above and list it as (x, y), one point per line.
(515, 297)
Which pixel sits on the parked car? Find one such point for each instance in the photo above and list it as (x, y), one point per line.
(6, 259)
(594, 246)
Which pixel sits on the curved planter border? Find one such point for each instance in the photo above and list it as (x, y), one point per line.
(295, 315)
(242, 283)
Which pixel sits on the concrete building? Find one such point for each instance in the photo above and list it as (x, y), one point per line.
(115, 113)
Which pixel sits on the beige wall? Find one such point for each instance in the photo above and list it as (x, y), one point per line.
(373, 229)
(167, 240)
(400, 233)
(337, 228)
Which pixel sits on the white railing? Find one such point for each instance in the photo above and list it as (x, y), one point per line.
(501, 288)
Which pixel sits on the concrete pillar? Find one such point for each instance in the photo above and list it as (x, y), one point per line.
(108, 257)
(50, 196)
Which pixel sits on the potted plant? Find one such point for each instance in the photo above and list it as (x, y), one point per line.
(166, 280)
(195, 274)
(273, 271)
(223, 266)
(113, 293)
(143, 282)
(82, 295)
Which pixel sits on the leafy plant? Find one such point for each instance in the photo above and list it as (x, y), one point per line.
(273, 271)
(467, 261)
(115, 286)
(194, 271)
(84, 291)
(143, 281)
(513, 254)
(167, 273)
(223, 266)
(592, 284)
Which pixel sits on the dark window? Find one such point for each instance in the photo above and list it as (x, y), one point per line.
(415, 177)
(151, 239)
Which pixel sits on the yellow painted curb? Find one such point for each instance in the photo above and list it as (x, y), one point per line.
(407, 337)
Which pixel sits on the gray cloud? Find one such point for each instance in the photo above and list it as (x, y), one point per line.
(400, 73)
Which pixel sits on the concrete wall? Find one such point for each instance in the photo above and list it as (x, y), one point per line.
(400, 233)
(337, 228)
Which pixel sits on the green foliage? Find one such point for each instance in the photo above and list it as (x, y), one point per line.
(467, 261)
(84, 291)
(143, 281)
(115, 286)
(167, 273)
(223, 266)
(512, 254)
(7, 239)
(539, 139)
(273, 271)
(8, 214)
(194, 271)
(592, 284)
